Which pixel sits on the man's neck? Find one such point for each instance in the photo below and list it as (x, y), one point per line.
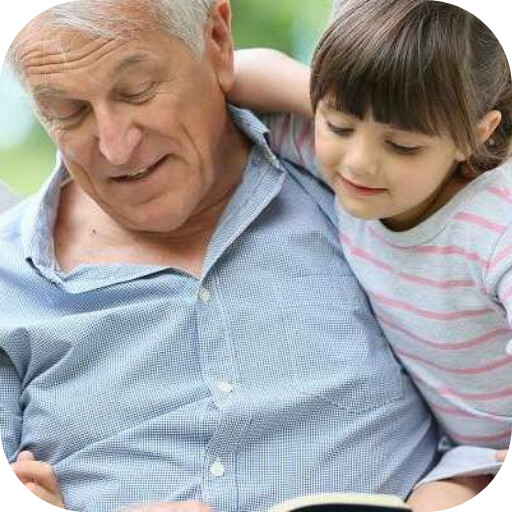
(85, 234)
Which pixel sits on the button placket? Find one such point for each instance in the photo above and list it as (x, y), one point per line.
(217, 469)
(225, 386)
(204, 295)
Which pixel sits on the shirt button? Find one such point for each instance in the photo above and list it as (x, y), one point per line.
(225, 386)
(204, 295)
(217, 468)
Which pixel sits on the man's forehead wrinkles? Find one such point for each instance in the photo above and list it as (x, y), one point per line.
(51, 56)
(55, 47)
(44, 89)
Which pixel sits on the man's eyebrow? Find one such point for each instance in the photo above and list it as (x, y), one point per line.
(47, 90)
(127, 62)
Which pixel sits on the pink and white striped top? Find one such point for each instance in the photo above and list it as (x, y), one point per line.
(442, 293)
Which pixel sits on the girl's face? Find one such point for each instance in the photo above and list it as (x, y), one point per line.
(380, 172)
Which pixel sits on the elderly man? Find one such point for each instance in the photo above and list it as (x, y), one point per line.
(176, 318)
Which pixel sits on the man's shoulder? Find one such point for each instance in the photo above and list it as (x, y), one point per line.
(11, 221)
(7, 198)
(317, 190)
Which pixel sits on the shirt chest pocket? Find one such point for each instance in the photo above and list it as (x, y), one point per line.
(336, 350)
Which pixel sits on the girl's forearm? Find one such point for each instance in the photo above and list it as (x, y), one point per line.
(446, 493)
(270, 81)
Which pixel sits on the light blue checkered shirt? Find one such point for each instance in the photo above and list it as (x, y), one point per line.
(265, 379)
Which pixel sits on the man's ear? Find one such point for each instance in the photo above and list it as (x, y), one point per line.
(487, 125)
(219, 43)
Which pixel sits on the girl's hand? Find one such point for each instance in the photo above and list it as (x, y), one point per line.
(38, 477)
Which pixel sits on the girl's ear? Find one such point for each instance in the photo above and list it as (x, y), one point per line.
(487, 125)
(460, 156)
(483, 131)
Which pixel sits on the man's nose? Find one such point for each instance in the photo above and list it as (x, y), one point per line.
(118, 136)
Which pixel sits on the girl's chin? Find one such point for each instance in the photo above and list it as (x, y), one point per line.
(360, 211)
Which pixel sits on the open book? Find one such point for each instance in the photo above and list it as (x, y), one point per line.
(342, 503)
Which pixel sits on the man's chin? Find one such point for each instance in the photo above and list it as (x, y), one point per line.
(153, 216)
(157, 227)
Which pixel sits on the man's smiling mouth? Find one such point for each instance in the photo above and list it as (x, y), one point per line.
(140, 173)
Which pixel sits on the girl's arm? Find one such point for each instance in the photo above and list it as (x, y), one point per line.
(270, 81)
(445, 494)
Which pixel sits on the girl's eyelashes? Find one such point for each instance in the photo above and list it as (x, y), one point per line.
(403, 150)
(343, 131)
(339, 130)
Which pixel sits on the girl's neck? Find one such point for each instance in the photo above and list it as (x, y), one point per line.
(444, 194)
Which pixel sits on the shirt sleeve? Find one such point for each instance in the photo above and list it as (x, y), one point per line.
(10, 411)
(498, 279)
(473, 460)
(293, 138)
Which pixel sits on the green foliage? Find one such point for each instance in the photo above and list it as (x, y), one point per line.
(26, 166)
(280, 24)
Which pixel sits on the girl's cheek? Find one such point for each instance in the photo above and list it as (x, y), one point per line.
(328, 155)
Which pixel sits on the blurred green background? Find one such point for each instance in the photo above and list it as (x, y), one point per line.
(26, 153)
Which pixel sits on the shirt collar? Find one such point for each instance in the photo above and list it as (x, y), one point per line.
(255, 130)
(39, 219)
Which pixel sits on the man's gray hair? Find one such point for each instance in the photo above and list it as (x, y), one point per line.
(113, 19)
(335, 9)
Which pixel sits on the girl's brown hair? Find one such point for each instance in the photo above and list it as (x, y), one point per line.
(420, 65)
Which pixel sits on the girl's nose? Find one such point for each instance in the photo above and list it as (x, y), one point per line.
(361, 156)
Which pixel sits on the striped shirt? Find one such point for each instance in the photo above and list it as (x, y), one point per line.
(442, 293)
(265, 378)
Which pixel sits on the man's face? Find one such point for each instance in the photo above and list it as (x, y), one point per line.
(139, 122)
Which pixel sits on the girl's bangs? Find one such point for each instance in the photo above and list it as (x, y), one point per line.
(389, 96)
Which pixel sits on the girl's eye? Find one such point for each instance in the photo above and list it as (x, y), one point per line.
(339, 130)
(403, 150)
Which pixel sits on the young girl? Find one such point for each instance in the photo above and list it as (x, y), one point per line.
(413, 126)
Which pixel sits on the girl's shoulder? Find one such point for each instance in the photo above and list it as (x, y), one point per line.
(489, 197)
(479, 220)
